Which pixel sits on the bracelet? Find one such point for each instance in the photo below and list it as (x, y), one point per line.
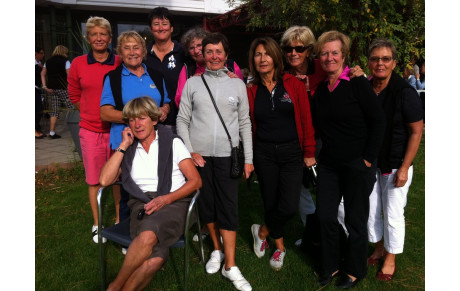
(44, 87)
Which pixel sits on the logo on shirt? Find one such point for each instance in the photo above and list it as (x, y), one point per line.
(172, 62)
(286, 98)
(152, 86)
(231, 101)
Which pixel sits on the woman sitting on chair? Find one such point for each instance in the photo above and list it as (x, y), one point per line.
(160, 175)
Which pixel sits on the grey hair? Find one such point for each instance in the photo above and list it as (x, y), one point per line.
(382, 42)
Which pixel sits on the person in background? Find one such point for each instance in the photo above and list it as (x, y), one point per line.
(284, 142)
(420, 78)
(408, 75)
(130, 80)
(413, 63)
(54, 82)
(85, 81)
(160, 176)
(199, 125)
(165, 56)
(351, 124)
(404, 116)
(39, 54)
(192, 42)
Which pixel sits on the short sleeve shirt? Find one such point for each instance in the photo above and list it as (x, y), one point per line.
(132, 87)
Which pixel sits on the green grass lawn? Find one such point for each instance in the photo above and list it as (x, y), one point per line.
(67, 259)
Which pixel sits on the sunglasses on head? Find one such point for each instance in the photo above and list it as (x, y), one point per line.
(299, 48)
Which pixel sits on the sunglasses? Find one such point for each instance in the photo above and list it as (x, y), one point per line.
(385, 60)
(299, 48)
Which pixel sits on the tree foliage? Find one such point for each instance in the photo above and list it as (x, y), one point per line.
(403, 21)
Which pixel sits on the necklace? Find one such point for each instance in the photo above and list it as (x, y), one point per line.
(377, 92)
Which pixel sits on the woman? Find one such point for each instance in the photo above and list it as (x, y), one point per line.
(351, 124)
(54, 82)
(164, 55)
(284, 142)
(39, 54)
(203, 133)
(420, 78)
(196, 66)
(297, 43)
(130, 80)
(404, 115)
(192, 42)
(85, 80)
(159, 183)
(409, 76)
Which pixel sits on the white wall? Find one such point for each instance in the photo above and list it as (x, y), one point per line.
(194, 6)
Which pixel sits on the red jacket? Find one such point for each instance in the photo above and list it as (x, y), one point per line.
(298, 93)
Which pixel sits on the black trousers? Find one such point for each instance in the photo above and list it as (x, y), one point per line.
(218, 200)
(279, 169)
(354, 181)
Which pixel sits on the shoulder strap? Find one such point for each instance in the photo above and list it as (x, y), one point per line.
(217, 110)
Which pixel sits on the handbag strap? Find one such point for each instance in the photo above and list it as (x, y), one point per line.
(217, 110)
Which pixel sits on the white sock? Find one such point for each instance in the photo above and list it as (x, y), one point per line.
(52, 132)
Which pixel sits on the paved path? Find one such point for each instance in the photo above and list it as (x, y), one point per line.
(52, 152)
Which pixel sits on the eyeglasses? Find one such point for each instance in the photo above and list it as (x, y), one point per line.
(299, 48)
(376, 60)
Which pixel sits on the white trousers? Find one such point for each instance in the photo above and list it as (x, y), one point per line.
(386, 211)
(306, 204)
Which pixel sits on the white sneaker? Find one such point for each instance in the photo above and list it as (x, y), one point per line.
(94, 230)
(276, 261)
(203, 236)
(234, 275)
(298, 242)
(259, 244)
(216, 259)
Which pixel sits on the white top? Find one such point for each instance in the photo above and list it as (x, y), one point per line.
(67, 65)
(144, 170)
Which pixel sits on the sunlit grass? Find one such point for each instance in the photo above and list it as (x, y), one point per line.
(67, 259)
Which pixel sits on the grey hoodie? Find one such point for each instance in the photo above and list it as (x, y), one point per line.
(198, 123)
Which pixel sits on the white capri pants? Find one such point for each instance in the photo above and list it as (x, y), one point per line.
(386, 211)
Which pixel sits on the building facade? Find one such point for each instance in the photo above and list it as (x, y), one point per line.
(63, 21)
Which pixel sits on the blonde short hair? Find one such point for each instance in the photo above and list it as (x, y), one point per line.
(332, 36)
(61, 50)
(94, 21)
(298, 33)
(141, 106)
(125, 36)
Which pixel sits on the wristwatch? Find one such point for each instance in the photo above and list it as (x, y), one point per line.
(120, 150)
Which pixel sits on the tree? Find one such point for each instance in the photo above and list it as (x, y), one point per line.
(402, 21)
